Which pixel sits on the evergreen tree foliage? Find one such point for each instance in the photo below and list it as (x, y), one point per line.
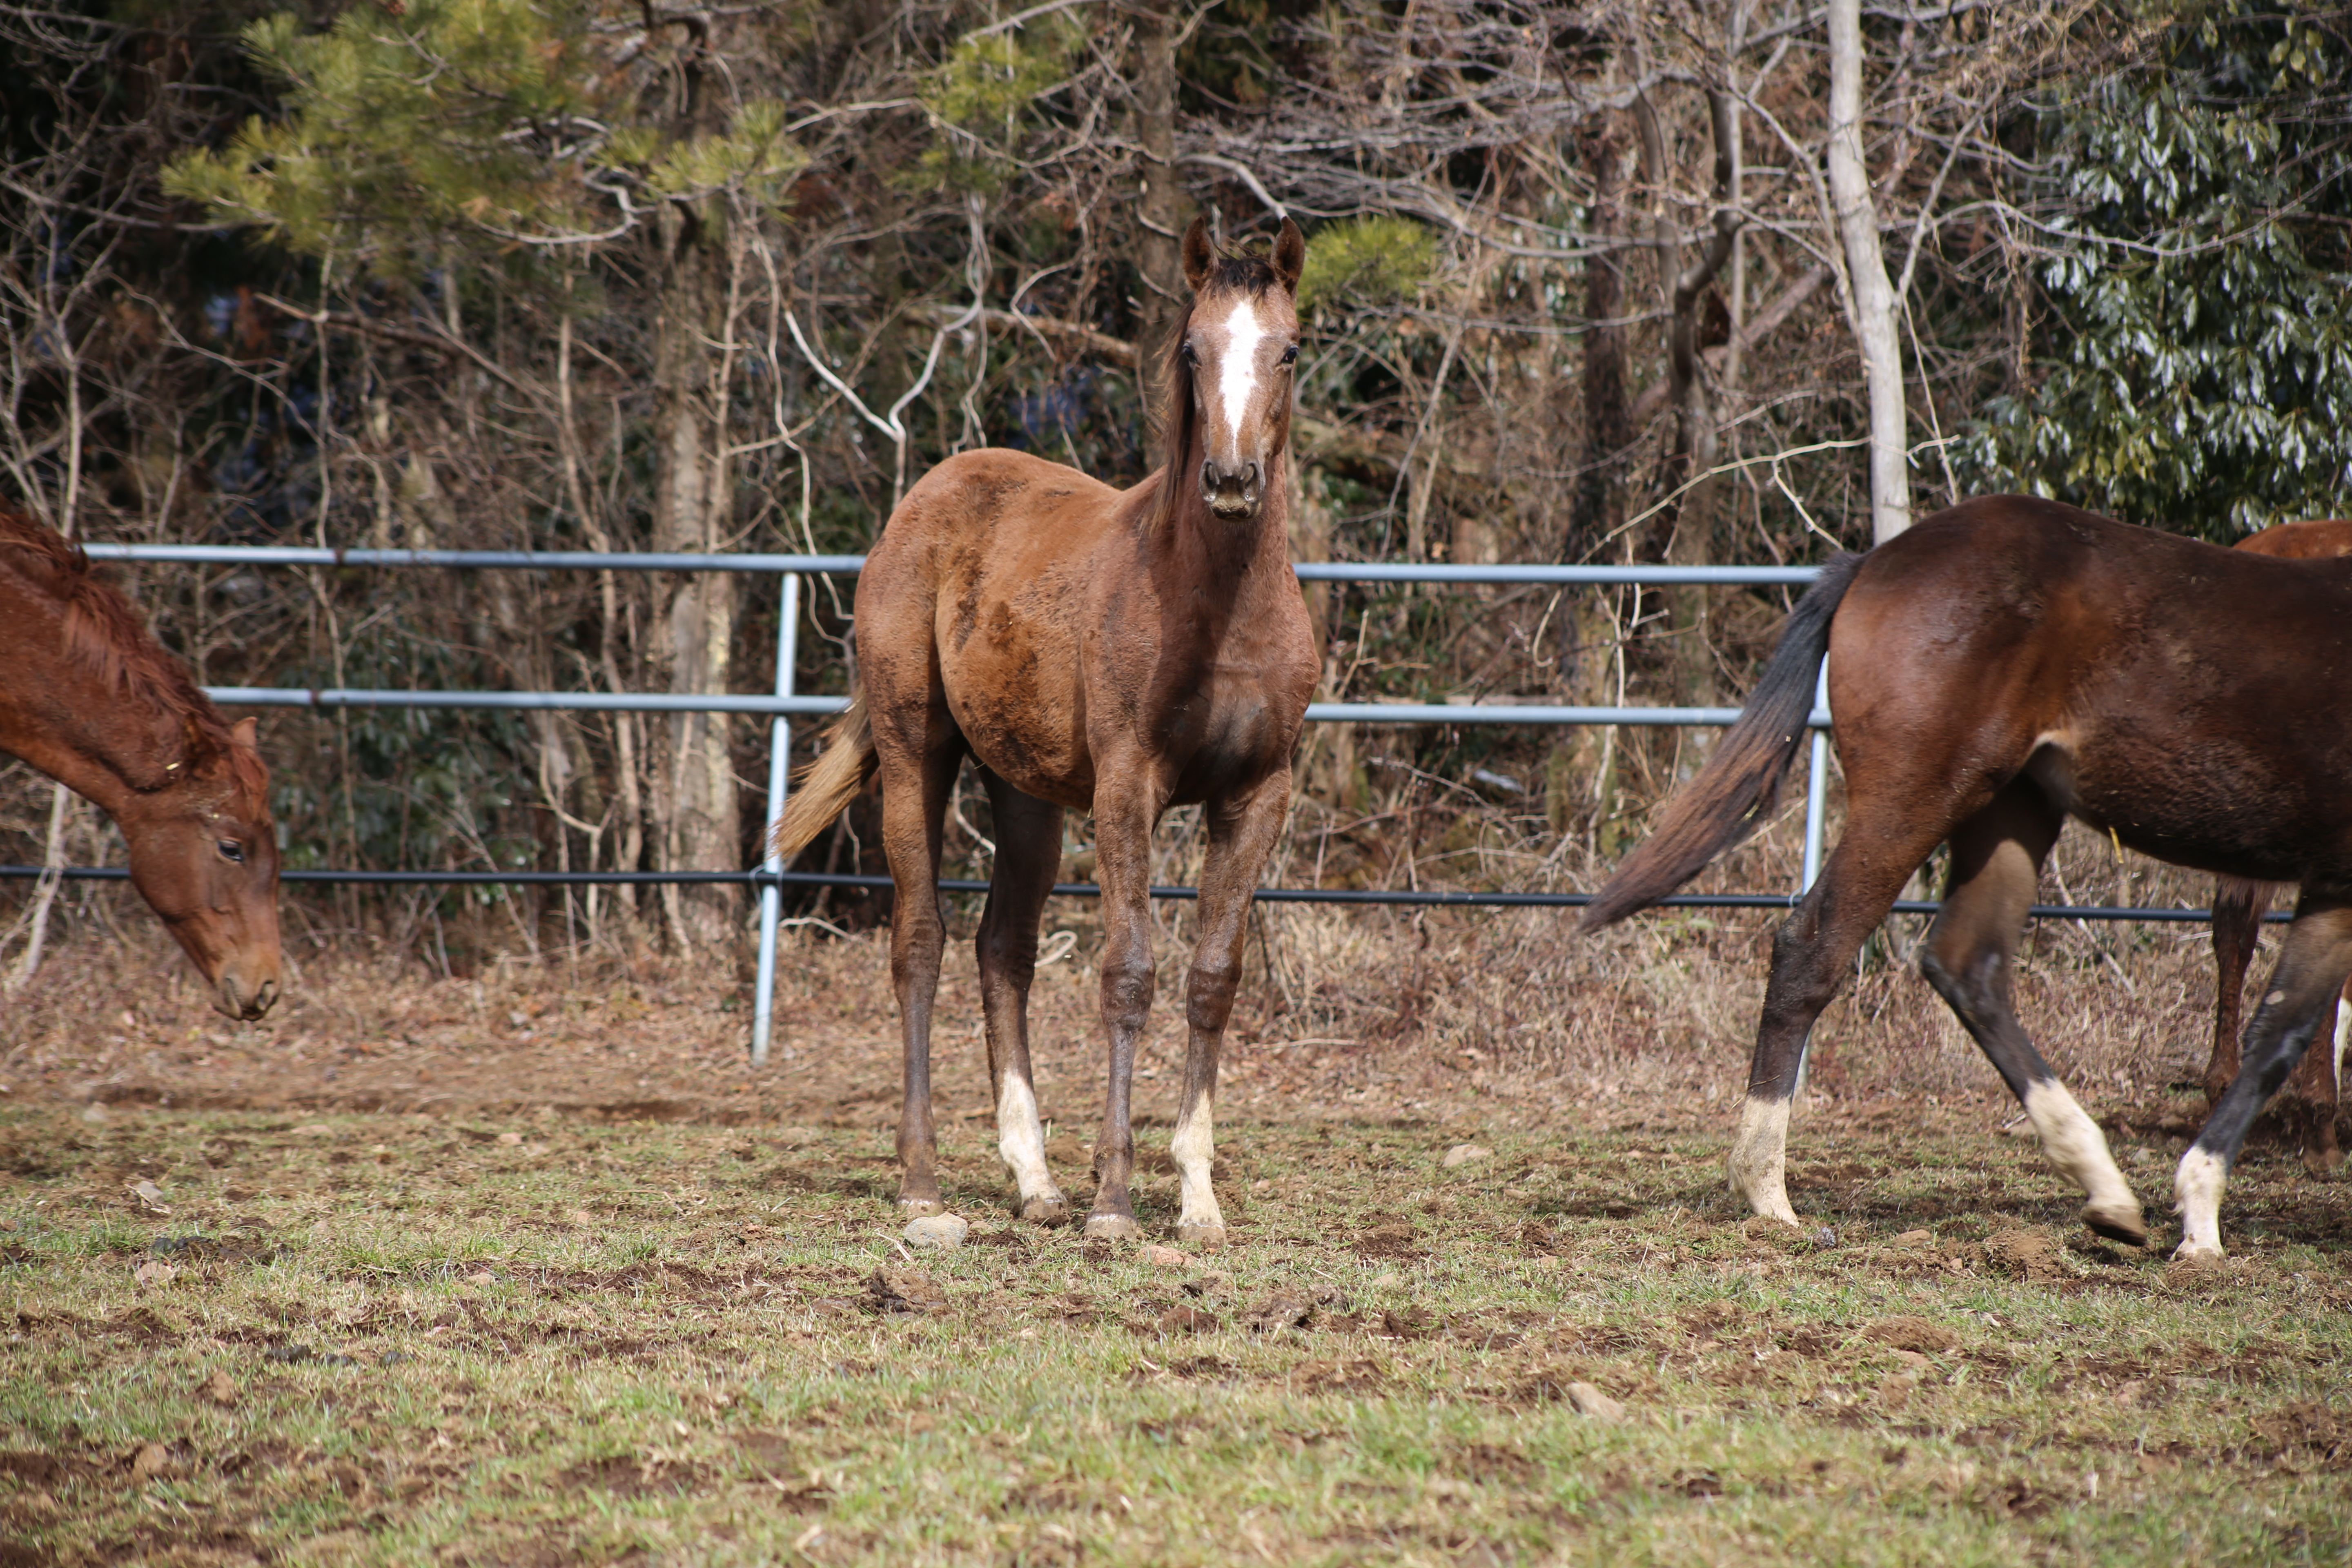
(490, 121)
(2198, 344)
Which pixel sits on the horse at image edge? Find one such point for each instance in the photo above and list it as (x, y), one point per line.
(2005, 664)
(88, 697)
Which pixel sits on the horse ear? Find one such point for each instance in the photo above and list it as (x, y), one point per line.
(1199, 255)
(247, 732)
(1289, 254)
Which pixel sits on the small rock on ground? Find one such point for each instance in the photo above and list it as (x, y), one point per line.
(1164, 1256)
(937, 1232)
(1916, 1238)
(1463, 1154)
(1589, 1401)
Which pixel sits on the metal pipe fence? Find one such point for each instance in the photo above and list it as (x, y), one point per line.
(771, 878)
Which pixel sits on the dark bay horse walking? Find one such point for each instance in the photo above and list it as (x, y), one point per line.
(2306, 1106)
(1090, 649)
(2005, 664)
(88, 698)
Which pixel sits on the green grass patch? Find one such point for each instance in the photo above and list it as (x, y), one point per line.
(393, 1340)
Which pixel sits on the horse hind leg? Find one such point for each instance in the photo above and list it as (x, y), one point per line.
(915, 782)
(1969, 958)
(1812, 953)
(2306, 1106)
(1028, 854)
(2303, 992)
(2238, 908)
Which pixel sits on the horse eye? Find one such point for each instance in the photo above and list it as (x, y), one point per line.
(1290, 354)
(231, 850)
(1191, 355)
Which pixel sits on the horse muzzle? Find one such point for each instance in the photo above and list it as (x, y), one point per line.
(244, 997)
(1233, 490)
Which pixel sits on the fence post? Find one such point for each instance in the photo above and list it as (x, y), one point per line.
(780, 751)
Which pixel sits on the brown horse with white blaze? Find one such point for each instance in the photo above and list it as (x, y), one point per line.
(1090, 649)
(2005, 664)
(88, 698)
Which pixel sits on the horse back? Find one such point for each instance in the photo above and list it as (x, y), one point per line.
(2161, 689)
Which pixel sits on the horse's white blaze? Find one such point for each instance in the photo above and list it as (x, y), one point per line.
(2075, 1145)
(1759, 1158)
(1194, 1147)
(1237, 371)
(1021, 1136)
(2198, 1189)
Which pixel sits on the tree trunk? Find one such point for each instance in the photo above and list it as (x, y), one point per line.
(1580, 774)
(1870, 298)
(1162, 209)
(695, 796)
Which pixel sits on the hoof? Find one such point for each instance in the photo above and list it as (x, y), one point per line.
(1208, 1237)
(1113, 1227)
(1046, 1208)
(2190, 1251)
(916, 1208)
(2116, 1222)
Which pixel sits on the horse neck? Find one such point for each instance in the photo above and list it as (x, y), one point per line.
(113, 748)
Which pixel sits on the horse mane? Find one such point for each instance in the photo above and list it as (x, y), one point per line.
(1177, 415)
(106, 636)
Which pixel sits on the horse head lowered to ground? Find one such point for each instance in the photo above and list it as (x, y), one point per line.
(1097, 650)
(2006, 664)
(88, 698)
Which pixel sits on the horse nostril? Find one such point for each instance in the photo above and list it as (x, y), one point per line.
(1249, 475)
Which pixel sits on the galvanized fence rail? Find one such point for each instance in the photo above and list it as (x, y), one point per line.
(771, 878)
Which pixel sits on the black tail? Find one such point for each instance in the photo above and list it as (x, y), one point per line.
(1740, 785)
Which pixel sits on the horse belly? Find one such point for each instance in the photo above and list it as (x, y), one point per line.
(1024, 722)
(2209, 807)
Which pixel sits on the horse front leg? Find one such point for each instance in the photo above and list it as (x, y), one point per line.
(1125, 809)
(1241, 835)
(2300, 1000)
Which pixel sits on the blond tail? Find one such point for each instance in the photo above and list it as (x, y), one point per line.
(827, 784)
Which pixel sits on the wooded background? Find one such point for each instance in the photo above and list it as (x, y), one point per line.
(1585, 283)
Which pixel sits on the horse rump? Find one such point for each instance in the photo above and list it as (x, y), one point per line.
(1740, 785)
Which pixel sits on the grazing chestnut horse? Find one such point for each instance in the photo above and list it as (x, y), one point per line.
(2005, 664)
(1090, 649)
(88, 698)
(2306, 1107)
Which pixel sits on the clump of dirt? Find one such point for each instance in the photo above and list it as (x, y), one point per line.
(1353, 1375)
(2029, 1254)
(1914, 1334)
(1395, 1241)
(630, 1476)
(2310, 1428)
(904, 1290)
